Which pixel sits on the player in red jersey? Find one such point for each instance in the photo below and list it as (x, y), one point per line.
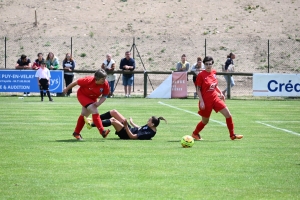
(209, 99)
(91, 88)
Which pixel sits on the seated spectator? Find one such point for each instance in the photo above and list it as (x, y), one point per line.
(24, 63)
(68, 66)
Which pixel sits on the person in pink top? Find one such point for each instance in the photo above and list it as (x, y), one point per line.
(211, 98)
(91, 88)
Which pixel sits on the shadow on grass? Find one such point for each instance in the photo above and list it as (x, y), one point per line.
(203, 141)
(70, 140)
(86, 140)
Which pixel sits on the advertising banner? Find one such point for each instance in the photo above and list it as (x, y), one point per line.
(179, 85)
(175, 86)
(25, 81)
(287, 85)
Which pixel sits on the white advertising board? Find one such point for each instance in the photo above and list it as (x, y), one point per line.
(265, 84)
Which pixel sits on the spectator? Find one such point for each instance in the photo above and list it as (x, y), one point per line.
(208, 92)
(123, 130)
(52, 61)
(24, 63)
(52, 64)
(68, 66)
(183, 65)
(229, 67)
(43, 78)
(196, 69)
(127, 64)
(37, 63)
(109, 66)
(91, 88)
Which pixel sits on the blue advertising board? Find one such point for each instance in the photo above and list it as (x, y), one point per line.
(25, 81)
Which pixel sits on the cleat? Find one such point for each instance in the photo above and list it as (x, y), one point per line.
(233, 137)
(51, 99)
(87, 122)
(196, 136)
(77, 136)
(105, 133)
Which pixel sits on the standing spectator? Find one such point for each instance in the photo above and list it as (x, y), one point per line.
(68, 66)
(127, 64)
(37, 63)
(91, 88)
(229, 67)
(196, 69)
(208, 92)
(52, 63)
(109, 66)
(43, 78)
(183, 65)
(24, 63)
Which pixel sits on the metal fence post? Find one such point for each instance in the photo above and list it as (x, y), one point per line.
(228, 86)
(5, 52)
(268, 56)
(205, 47)
(71, 47)
(145, 83)
(133, 55)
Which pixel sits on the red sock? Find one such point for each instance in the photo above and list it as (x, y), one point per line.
(98, 123)
(199, 127)
(79, 125)
(230, 125)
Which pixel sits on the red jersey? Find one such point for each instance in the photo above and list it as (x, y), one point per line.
(89, 88)
(207, 81)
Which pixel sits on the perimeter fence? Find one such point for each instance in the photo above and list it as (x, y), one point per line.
(161, 53)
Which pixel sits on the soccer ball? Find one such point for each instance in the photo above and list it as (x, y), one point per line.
(187, 141)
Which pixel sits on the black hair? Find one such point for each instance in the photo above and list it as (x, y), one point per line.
(23, 57)
(229, 55)
(156, 120)
(208, 58)
(39, 54)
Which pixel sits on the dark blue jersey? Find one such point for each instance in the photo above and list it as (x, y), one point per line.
(144, 132)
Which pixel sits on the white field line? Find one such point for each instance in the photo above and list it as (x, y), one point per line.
(282, 129)
(187, 111)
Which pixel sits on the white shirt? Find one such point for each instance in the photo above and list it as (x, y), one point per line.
(110, 77)
(43, 73)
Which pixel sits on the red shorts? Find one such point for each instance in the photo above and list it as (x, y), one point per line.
(85, 100)
(213, 103)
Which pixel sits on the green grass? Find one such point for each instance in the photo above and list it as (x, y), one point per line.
(41, 160)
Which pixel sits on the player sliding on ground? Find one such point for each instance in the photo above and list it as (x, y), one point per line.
(123, 129)
(208, 92)
(91, 88)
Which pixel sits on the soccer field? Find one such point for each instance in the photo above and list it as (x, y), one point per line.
(40, 159)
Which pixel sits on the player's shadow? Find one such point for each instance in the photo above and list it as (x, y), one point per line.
(203, 140)
(86, 140)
